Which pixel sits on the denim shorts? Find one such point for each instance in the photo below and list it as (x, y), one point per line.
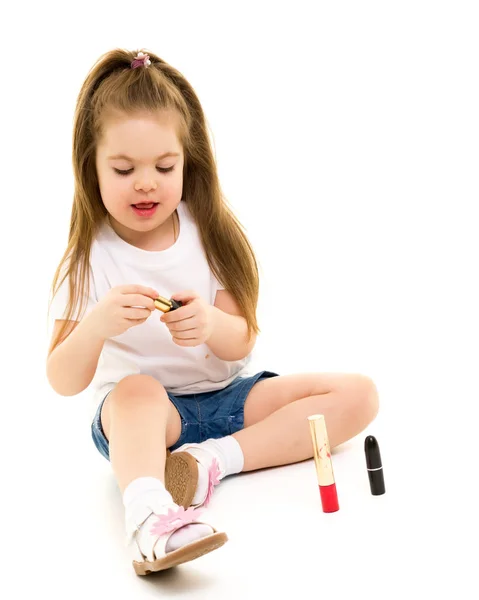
(206, 415)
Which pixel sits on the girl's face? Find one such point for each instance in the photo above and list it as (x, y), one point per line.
(139, 159)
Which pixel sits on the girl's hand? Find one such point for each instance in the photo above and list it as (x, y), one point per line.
(192, 323)
(122, 307)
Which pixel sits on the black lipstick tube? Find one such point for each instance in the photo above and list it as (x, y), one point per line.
(374, 466)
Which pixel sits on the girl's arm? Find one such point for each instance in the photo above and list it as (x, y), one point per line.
(229, 339)
(71, 366)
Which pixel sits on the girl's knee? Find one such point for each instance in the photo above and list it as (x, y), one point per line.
(366, 400)
(139, 393)
(140, 388)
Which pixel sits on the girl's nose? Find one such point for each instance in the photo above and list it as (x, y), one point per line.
(145, 185)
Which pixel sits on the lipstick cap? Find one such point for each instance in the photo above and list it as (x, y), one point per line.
(371, 449)
(175, 304)
(374, 466)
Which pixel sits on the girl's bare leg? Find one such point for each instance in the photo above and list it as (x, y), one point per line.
(140, 422)
(282, 436)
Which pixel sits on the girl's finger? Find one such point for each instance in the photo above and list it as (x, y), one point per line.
(183, 325)
(190, 343)
(186, 335)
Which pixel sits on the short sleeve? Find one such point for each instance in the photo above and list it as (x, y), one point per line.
(59, 303)
(218, 284)
(215, 286)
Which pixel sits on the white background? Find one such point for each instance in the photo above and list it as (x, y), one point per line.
(346, 136)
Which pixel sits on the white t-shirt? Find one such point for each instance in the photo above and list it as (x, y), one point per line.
(148, 348)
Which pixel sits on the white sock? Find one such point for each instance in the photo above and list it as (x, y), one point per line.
(136, 497)
(227, 452)
(140, 486)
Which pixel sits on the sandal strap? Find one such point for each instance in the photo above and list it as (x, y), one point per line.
(213, 480)
(163, 528)
(134, 519)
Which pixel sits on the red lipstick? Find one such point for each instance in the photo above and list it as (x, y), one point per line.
(324, 466)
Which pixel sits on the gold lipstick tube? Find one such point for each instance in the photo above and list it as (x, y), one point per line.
(163, 304)
(324, 465)
(166, 305)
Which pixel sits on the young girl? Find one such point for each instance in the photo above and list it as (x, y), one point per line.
(177, 411)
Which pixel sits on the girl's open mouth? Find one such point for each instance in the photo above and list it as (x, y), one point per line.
(145, 210)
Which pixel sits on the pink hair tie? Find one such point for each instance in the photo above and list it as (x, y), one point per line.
(141, 60)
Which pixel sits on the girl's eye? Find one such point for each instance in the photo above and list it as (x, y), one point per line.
(120, 172)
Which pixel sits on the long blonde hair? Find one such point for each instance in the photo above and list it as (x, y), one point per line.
(112, 85)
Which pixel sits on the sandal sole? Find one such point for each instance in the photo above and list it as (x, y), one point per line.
(181, 477)
(182, 555)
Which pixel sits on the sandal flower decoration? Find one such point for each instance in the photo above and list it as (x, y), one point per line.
(175, 519)
(213, 479)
